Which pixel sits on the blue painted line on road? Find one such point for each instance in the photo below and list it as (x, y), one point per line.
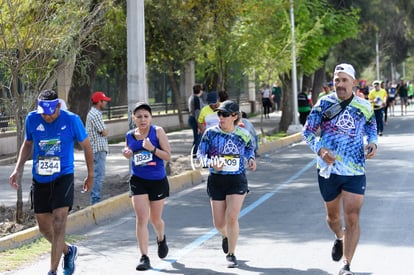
(200, 240)
(267, 196)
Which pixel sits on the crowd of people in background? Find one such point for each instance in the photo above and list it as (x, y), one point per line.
(383, 95)
(203, 114)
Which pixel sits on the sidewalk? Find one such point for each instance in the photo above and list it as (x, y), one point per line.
(116, 165)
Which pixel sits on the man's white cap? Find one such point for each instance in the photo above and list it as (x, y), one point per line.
(345, 68)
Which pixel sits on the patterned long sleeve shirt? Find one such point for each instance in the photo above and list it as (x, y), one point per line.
(344, 135)
(230, 147)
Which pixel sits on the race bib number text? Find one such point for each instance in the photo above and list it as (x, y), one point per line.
(231, 162)
(47, 166)
(142, 158)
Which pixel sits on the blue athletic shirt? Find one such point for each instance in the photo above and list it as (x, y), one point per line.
(53, 144)
(144, 164)
(344, 135)
(231, 147)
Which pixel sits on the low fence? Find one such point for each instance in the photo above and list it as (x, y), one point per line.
(157, 109)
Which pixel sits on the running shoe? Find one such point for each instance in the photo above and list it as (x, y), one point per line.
(52, 273)
(337, 250)
(231, 261)
(144, 263)
(345, 270)
(162, 248)
(225, 245)
(69, 260)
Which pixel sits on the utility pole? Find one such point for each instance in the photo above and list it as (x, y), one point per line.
(377, 56)
(137, 80)
(295, 127)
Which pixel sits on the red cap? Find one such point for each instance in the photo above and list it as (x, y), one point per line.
(98, 96)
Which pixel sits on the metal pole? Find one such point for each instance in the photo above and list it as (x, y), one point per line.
(377, 56)
(137, 81)
(296, 127)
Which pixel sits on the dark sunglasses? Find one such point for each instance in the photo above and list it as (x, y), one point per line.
(223, 114)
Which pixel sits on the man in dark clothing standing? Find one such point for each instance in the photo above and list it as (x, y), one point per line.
(277, 96)
(304, 106)
(195, 103)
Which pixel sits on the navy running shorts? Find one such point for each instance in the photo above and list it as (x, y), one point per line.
(218, 186)
(330, 188)
(156, 189)
(52, 195)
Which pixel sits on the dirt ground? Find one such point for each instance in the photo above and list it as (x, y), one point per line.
(112, 186)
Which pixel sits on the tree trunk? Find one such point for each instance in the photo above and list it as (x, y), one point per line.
(79, 98)
(306, 82)
(287, 109)
(176, 93)
(19, 115)
(318, 82)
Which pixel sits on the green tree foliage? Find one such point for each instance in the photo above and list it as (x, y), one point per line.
(392, 22)
(170, 33)
(112, 40)
(264, 39)
(101, 48)
(216, 42)
(36, 36)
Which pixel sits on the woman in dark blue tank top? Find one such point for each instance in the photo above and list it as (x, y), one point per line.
(147, 147)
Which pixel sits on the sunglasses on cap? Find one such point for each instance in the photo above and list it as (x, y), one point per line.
(223, 114)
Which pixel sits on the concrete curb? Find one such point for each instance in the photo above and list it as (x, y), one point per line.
(282, 142)
(95, 214)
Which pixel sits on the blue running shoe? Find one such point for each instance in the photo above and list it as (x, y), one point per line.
(69, 260)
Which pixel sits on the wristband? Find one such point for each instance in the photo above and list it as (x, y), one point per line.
(153, 151)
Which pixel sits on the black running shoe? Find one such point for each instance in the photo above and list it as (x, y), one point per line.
(162, 248)
(144, 263)
(345, 270)
(231, 261)
(337, 250)
(225, 245)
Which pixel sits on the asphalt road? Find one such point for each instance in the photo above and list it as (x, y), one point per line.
(282, 223)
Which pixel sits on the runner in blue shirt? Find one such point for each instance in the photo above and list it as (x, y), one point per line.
(51, 134)
(147, 146)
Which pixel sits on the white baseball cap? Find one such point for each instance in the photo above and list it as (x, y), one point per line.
(345, 68)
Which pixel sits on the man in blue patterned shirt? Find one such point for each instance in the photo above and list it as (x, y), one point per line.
(98, 136)
(344, 121)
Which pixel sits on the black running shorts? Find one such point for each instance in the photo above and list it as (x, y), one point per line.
(156, 189)
(218, 186)
(52, 195)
